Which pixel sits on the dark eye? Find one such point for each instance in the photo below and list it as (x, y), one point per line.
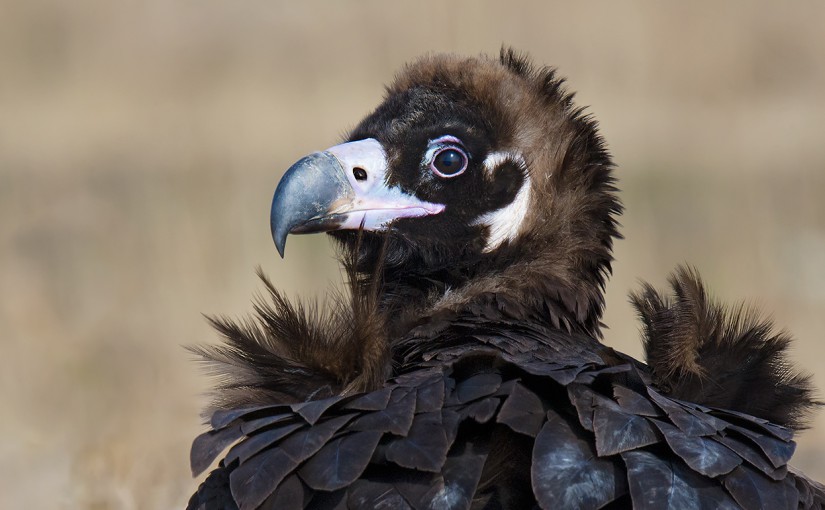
(449, 162)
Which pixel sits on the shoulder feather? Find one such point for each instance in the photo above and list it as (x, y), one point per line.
(293, 351)
(732, 358)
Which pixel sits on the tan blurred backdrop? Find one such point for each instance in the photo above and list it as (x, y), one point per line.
(141, 140)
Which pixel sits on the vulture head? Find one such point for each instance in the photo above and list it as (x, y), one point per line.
(474, 177)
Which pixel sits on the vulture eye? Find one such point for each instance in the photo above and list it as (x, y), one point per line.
(449, 162)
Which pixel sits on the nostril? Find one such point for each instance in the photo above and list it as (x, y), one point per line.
(359, 173)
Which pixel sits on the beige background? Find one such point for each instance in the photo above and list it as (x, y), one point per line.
(140, 142)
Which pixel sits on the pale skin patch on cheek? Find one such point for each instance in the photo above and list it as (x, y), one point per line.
(504, 224)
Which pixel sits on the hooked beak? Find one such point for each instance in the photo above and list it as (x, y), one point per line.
(344, 187)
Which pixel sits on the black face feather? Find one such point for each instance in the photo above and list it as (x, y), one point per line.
(406, 124)
(464, 369)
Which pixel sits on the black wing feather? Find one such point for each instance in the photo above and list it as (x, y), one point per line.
(522, 411)
(754, 491)
(703, 455)
(617, 431)
(340, 462)
(656, 482)
(567, 472)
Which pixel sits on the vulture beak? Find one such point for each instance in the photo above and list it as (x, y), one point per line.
(344, 187)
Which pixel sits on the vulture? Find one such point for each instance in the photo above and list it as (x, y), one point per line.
(474, 213)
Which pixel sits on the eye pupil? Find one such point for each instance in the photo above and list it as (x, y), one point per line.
(449, 162)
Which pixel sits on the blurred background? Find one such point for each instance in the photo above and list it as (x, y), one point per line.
(141, 141)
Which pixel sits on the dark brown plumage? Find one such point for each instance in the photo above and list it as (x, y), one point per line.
(296, 352)
(729, 358)
(475, 209)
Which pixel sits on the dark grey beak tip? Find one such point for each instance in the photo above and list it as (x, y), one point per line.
(280, 229)
(280, 242)
(304, 194)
